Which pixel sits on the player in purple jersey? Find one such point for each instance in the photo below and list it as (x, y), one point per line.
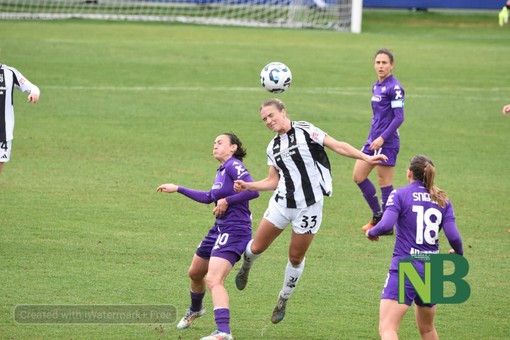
(419, 210)
(11, 79)
(388, 115)
(300, 175)
(222, 247)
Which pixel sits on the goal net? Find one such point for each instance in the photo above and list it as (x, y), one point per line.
(323, 14)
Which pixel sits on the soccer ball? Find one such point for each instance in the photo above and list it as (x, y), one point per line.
(275, 77)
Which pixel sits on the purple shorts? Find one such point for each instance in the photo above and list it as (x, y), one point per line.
(391, 153)
(227, 242)
(390, 290)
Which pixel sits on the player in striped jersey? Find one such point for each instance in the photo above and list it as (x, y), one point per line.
(11, 78)
(300, 175)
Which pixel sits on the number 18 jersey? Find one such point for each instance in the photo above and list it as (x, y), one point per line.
(419, 220)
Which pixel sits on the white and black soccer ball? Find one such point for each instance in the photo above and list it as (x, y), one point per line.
(275, 77)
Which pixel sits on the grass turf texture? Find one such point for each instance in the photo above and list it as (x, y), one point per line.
(128, 106)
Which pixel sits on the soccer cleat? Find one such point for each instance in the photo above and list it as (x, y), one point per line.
(242, 278)
(375, 219)
(189, 317)
(279, 310)
(217, 335)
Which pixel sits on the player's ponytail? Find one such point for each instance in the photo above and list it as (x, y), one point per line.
(234, 140)
(423, 170)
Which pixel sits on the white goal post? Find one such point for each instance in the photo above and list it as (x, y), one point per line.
(341, 15)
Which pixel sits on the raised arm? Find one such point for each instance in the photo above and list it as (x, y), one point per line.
(347, 150)
(267, 184)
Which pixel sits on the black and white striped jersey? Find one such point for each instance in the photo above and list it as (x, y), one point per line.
(305, 171)
(11, 78)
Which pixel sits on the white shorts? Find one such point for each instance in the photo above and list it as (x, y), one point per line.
(5, 151)
(304, 220)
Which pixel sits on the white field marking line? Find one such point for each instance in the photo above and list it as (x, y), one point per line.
(427, 92)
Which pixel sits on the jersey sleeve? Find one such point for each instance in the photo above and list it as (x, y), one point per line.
(23, 84)
(451, 231)
(316, 134)
(397, 95)
(196, 195)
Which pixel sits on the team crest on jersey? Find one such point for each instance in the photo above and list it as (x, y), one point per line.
(383, 89)
(292, 138)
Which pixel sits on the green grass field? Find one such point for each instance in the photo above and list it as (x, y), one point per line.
(128, 106)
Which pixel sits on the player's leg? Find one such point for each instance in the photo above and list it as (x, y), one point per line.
(360, 176)
(218, 271)
(385, 179)
(270, 227)
(266, 233)
(196, 272)
(1, 166)
(425, 320)
(390, 316)
(299, 244)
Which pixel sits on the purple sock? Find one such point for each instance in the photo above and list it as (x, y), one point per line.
(385, 193)
(368, 190)
(196, 301)
(222, 318)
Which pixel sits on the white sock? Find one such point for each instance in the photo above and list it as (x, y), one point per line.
(292, 275)
(249, 257)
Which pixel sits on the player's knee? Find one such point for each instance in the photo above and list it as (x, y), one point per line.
(195, 275)
(296, 260)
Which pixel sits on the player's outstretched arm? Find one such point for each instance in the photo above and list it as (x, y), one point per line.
(268, 183)
(347, 150)
(169, 187)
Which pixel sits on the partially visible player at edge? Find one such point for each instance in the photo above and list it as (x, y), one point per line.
(222, 247)
(11, 78)
(388, 116)
(300, 175)
(420, 210)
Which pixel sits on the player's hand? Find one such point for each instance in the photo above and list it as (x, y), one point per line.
(371, 238)
(377, 159)
(451, 251)
(240, 185)
(506, 110)
(169, 187)
(220, 208)
(377, 143)
(33, 98)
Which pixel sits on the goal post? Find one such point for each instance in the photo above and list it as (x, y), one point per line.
(341, 15)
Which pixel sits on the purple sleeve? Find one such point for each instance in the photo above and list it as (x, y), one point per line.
(452, 234)
(386, 223)
(195, 195)
(395, 123)
(242, 196)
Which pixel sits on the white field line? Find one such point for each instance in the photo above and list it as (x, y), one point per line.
(426, 92)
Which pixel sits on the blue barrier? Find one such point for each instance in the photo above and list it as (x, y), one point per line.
(445, 4)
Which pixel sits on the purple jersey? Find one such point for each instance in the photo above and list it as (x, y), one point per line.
(238, 212)
(388, 112)
(418, 222)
